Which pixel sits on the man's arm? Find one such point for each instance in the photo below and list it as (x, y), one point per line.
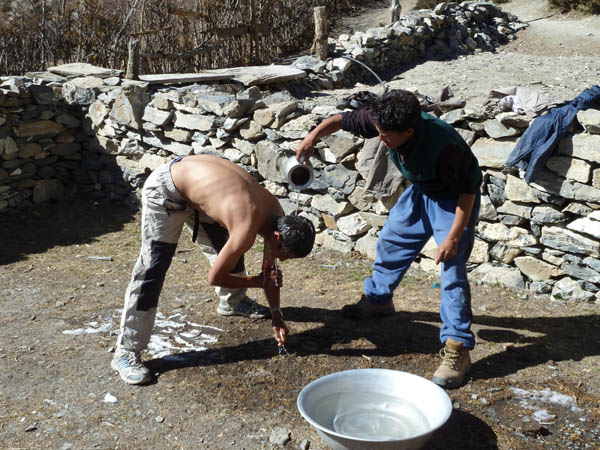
(448, 249)
(359, 122)
(220, 273)
(272, 293)
(325, 128)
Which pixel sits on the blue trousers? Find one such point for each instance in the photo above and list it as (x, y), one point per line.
(412, 221)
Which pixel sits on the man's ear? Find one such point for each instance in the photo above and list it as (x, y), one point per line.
(410, 131)
(277, 239)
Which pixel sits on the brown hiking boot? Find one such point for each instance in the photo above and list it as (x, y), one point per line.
(365, 309)
(456, 362)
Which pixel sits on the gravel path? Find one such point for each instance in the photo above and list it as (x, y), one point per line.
(556, 55)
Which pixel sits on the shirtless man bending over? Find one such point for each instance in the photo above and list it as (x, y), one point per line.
(226, 208)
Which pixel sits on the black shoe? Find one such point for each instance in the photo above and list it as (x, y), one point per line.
(364, 309)
(357, 100)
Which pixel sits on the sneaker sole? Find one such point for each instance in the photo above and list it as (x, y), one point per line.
(223, 312)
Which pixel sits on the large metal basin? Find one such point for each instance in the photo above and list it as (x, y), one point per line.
(431, 400)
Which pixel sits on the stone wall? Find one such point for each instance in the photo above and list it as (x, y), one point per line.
(449, 30)
(45, 149)
(543, 236)
(103, 135)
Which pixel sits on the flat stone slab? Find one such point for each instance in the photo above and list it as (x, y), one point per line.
(180, 78)
(84, 70)
(46, 76)
(248, 76)
(493, 153)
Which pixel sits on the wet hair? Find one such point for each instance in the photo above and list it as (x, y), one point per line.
(397, 110)
(297, 234)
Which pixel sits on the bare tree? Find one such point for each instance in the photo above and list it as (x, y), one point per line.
(174, 35)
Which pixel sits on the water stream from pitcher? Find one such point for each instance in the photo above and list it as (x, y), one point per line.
(297, 201)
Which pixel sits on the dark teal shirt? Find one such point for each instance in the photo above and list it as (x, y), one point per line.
(437, 160)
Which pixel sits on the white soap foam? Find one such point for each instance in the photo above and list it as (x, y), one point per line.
(174, 335)
(545, 396)
(93, 328)
(171, 335)
(543, 416)
(534, 400)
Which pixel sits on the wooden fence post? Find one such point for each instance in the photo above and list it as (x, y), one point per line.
(254, 37)
(395, 10)
(133, 63)
(320, 43)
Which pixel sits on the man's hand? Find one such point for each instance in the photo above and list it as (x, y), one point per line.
(325, 128)
(305, 149)
(449, 248)
(280, 329)
(273, 277)
(446, 251)
(270, 279)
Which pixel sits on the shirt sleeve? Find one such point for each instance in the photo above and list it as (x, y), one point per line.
(459, 170)
(360, 122)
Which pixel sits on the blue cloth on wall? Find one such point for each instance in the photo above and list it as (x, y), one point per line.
(539, 140)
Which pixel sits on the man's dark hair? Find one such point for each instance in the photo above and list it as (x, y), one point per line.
(397, 110)
(297, 234)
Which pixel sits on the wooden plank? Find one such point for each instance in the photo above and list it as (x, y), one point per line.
(249, 76)
(180, 78)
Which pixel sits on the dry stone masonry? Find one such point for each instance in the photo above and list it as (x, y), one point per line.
(98, 134)
(449, 30)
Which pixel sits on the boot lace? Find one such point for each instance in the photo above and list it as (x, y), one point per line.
(450, 359)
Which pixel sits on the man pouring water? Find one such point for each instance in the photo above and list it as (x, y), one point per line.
(443, 202)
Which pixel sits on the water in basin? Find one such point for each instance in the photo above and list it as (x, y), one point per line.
(370, 416)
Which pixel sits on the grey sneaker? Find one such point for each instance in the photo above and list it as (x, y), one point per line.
(130, 367)
(456, 362)
(247, 308)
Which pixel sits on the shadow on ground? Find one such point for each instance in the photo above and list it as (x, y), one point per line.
(406, 333)
(463, 431)
(71, 221)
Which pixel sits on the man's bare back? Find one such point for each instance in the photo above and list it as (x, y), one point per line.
(225, 192)
(232, 197)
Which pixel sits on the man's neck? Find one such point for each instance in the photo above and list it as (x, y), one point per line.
(267, 228)
(405, 148)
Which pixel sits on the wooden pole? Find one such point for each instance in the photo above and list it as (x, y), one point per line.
(133, 63)
(255, 39)
(320, 43)
(395, 10)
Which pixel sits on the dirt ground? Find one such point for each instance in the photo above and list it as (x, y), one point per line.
(535, 382)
